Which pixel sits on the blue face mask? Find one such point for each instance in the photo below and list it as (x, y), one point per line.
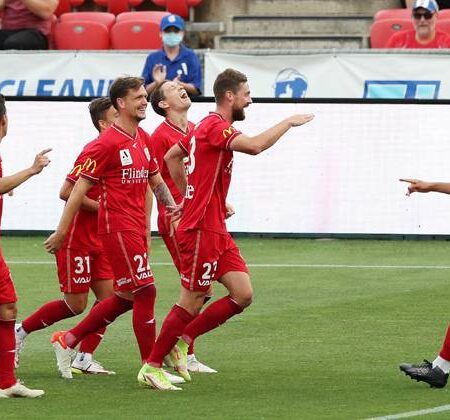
(172, 39)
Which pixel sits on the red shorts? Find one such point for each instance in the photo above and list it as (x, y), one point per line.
(77, 268)
(172, 246)
(127, 252)
(206, 257)
(7, 291)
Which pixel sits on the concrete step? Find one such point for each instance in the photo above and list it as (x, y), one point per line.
(296, 25)
(319, 7)
(275, 42)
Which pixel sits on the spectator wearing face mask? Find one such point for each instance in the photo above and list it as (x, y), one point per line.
(424, 35)
(174, 61)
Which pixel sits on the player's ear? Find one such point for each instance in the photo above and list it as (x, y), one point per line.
(229, 95)
(163, 104)
(120, 103)
(3, 125)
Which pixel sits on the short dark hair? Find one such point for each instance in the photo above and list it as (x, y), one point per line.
(98, 108)
(156, 97)
(2, 106)
(121, 86)
(229, 79)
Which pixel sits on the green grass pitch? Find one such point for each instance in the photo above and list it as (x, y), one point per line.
(322, 340)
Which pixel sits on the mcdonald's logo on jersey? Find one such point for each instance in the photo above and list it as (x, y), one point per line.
(89, 165)
(228, 131)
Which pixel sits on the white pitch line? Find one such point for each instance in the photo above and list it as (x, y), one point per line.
(394, 267)
(434, 410)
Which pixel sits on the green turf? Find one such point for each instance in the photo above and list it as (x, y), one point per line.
(316, 343)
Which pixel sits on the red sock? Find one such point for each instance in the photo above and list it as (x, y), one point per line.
(172, 328)
(213, 316)
(445, 350)
(144, 323)
(7, 349)
(98, 317)
(93, 340)
(191, 346)
(47, 315)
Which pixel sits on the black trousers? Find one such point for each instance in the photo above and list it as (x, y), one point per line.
(23, 39)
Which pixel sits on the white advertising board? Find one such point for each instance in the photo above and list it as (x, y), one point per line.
(337, 175)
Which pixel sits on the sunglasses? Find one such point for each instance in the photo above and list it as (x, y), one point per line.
(419, 15)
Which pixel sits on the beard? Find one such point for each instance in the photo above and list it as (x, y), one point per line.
(238, 114)
(138, 118)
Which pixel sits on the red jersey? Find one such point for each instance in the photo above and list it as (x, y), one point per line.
(162, 139)
(209, 174)
(1, 195)
(83, 233)
(407, 39)
(121, 165)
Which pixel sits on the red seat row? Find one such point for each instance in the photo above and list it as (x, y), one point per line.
(382, 30)
(103, 31)
(178, 7)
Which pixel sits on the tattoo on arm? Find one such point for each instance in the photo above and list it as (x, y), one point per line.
(163, 195)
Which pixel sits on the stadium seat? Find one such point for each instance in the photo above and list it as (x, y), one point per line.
(443, 25)
(107, 19)
(392, 14)
(135, 35)
(64, 6)
(118, 6)
(81, 35)
(178, 7)
(150, 16)
(381, 30)
(444, 14)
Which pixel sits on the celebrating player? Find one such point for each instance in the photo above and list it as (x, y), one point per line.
(9, 386)
(436, 373)
(81, 261)
(170, 100)
(123, 168)
(207, 250)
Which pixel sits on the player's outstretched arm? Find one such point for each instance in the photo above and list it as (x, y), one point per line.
(56, 239)
(416, 185)
(88, 203)
(257, 144)
(10, 182)
(174, 161)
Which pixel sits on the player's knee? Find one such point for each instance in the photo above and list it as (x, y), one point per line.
(77, 306)
(8, 312)
(244, 299)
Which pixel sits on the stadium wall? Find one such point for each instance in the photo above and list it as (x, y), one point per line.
(335, 177)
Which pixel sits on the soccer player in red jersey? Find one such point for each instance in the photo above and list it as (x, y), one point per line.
(208, 252)
(9, 386)
(170, 100)
(81, 262)
(123, 168)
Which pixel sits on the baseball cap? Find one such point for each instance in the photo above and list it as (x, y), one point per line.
(430, 5)
(172, 20)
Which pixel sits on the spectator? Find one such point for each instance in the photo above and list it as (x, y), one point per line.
(443, 4)
(26, 24)
(174, 61)
(424, 34)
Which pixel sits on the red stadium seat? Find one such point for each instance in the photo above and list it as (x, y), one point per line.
(135, 35)
(178, 7)
(443, 25)
(64, 6)
(118, 6)
(381, 30)
(150, 16)
(77, 3)
(107, 19)
(78, 35)
(444, 14)
(392, 14)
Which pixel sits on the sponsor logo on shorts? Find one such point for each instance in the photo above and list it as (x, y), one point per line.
(123, 280)
(144, 275)
(81, 280)
(184, 278)
(204, 282)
